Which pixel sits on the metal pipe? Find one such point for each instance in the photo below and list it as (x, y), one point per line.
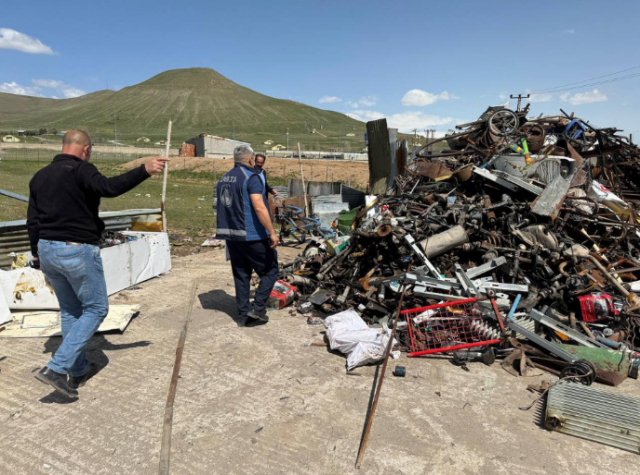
(372, 413)
(440, 243)
(165, 445)
(298, 279)
(633, 299)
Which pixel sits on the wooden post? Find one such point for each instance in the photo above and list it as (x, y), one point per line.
(304, 188)
(164, 182)
(327, 178)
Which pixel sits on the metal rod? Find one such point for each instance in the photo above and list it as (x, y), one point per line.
(164, 182)
(371, 415)
(15, 196)
(453, 348)
(165, 447)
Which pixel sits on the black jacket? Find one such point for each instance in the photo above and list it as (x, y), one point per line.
(268, 189)
(64, 198)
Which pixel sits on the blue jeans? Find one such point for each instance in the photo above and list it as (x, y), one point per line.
(75, 272)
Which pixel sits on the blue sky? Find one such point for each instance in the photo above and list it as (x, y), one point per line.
(421, 64)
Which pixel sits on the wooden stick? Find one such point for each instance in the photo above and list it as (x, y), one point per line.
(371, 415)
(164, 182)
(167, 426)
(304, 189)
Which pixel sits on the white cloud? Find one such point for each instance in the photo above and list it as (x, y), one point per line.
(39, 85)
(420, 98)
(584, 97)
(48, 83)
(569, 32)
(407, 121)
(365, 115)
(60, 87)
(541, 97)
(329, 99)
(12, 39)
(15, 88)
(366, 101)
(404, 121)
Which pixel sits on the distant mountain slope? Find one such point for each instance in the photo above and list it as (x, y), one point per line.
(197, 100)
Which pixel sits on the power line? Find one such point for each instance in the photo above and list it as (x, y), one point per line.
(558, 88)
(598, 83)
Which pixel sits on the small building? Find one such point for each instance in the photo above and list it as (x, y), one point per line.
(212, 146)
(278, 147)
(351, 135)
(10, 139)
(143, 139)
(161, 142)
(267, 142)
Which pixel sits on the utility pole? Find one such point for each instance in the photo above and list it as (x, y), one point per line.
(287, 138)
(519, 97)
(115, 129)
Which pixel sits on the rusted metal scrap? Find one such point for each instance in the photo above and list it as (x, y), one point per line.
(553, 200)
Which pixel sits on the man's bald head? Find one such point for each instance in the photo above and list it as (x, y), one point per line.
(77, 143)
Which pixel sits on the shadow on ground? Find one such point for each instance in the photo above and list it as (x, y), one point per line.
(95, 354)
(218, 299)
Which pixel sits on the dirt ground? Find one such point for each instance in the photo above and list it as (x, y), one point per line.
(356, 173)
(263, 401)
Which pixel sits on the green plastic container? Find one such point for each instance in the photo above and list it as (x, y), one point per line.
(345, 220)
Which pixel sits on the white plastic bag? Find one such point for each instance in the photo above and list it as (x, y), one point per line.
(349, 334)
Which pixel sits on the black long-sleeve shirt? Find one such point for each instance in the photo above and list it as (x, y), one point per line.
(267, 188)
(64, 198)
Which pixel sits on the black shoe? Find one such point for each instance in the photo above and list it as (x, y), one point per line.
(57, 380)
(76, 382)
(262, 316)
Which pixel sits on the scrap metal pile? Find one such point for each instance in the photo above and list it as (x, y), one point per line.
(523, 235)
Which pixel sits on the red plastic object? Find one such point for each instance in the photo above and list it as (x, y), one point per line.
(283, 294)
(446, 327)
(597, 307)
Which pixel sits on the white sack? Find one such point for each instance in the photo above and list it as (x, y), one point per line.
(349, 334)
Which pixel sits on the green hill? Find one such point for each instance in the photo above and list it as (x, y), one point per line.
(197, 100)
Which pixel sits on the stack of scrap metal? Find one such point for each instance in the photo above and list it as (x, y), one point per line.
(535, 219)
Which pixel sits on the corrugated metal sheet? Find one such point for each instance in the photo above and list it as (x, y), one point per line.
(594, 414)
(314, 188)
(14, 236)
(283, 191)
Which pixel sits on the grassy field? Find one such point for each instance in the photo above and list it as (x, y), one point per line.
(189, 195)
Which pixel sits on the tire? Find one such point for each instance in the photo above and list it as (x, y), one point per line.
(503, 122)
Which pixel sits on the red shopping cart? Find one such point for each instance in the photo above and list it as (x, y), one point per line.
(446, 327)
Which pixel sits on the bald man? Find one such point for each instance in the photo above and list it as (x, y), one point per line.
(64, 230)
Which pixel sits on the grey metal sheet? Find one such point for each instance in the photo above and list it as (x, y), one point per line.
(379, 155)
(594, 414)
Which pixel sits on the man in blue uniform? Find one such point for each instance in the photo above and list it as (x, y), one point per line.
(244, 222)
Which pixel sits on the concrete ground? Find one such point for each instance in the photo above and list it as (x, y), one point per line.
(263, 401)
